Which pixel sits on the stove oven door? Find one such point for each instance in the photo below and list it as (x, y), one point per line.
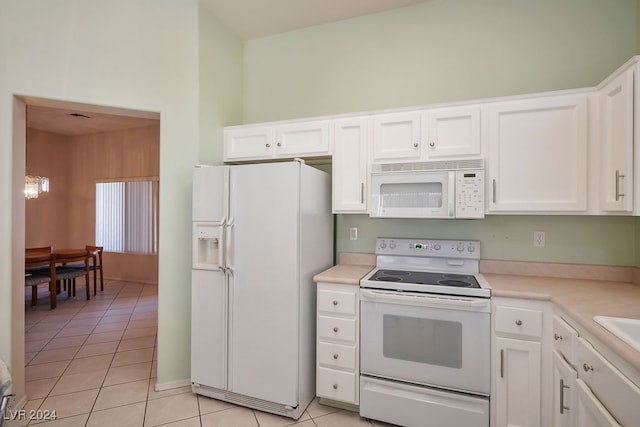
(434, 340)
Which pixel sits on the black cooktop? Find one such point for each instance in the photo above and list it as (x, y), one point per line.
(426, 278)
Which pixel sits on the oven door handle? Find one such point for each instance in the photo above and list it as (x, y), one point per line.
(424, 300)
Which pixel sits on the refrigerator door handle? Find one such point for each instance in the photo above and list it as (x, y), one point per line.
(228, 244)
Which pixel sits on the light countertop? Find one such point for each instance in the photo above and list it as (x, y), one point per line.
(581, 299)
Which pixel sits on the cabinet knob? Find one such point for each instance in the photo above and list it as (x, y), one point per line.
(432, 144)
(335, 302)
(587, 368)
(335, 356)
(335, 386)
(268, 145)
(557, 337)
(279, 144)
(519, 322)
(335, 329)
(415, 145)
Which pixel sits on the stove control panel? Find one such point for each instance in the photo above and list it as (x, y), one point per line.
(468, 249)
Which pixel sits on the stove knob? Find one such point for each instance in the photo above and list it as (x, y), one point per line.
(392, 245)
(436, 247)
(460, 248)
(383, 245)
(471, 249)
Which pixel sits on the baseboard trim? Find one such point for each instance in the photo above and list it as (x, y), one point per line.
(171, 384)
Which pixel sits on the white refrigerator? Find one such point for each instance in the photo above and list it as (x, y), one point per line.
(260, 234)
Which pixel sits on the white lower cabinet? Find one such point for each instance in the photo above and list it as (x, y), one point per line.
(589, 391)
(521, 376)
(564, 392)
(337, 351)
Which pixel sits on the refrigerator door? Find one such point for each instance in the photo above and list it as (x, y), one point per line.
(262, 236)
(209, 328)
(210, 195)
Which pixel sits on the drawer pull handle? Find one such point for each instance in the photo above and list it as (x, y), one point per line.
(335, 356)
(519, 322)
(557, 337)
(587, 368)
(335, 329)
(562, 407)
(415, 145)
(335, 302)
(279, 144)
(335, 386)
(501, 363)
(267, 145)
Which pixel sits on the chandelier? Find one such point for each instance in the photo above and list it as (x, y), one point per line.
(34, 185)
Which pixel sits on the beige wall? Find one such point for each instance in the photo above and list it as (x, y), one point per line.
(65, 217)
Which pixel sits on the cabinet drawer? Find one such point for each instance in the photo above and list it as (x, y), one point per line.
(337, 301)
(616, 392)
(519, 321)
(564, 339)
(336, 355)
(337, 385)
(335, 328)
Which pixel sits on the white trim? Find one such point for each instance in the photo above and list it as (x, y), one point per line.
(171, 385)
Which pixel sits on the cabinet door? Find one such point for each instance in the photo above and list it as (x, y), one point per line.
(396, 137)
(248, 143)
(518, 383)
(564, 393)
(452, 132)
(538, 155)
(591, 413)
(349, 165)
(303, 139)
(616, 118)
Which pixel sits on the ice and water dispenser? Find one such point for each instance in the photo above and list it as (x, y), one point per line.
(207, 246)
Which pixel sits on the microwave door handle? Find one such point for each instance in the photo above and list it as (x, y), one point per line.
(451, 191)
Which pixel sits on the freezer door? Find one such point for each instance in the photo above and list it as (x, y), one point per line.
(263, 255)
(210, 195)
(209, 328)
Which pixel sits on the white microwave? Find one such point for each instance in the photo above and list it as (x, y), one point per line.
(439, 189)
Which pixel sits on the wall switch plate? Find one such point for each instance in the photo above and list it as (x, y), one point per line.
(353, 233)
(538, 239)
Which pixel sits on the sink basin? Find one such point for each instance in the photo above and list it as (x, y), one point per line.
(628, 330)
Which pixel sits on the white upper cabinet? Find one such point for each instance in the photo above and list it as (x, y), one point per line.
(279, 141)
(538, 155)
(452, 132)
(616, 143)
(433, 134)
(395, 137)
(247, 143)
(302, 139)
(349, 165)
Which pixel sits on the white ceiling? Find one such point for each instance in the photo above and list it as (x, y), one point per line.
(252, 19)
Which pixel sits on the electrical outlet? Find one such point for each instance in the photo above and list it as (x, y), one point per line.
(538, 239)
(353, 233)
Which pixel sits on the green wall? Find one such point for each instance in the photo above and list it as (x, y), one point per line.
(451, 50)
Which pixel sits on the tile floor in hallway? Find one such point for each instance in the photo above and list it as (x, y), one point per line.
(94, 363)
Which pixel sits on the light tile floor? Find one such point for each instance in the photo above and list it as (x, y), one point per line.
(94, 363)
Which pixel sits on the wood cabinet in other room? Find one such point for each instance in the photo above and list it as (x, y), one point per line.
(538, 155)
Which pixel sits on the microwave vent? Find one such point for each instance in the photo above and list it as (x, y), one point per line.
(429, 166)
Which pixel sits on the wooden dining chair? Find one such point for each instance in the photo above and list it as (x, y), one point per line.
(71, 264)
(95, 252)
(40, 268)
